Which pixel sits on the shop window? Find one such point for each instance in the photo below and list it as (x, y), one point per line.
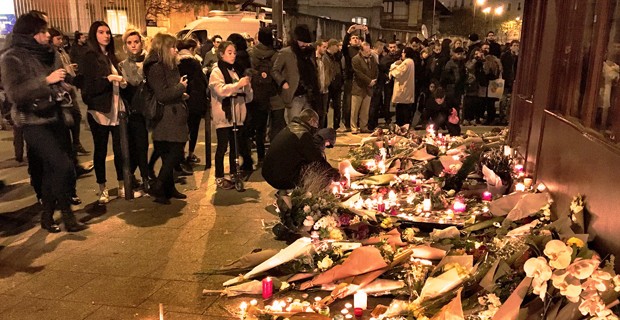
(388, 6)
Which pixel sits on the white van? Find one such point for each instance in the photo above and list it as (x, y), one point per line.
(224, 23)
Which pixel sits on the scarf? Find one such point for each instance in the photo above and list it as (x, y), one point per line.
(226, 102)
(43, 53)
(137, 57)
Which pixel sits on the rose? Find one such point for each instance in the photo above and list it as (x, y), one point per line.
(344, 220)
(558, 253)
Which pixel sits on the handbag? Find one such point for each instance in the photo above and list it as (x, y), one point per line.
(496, 88)
(145, 103)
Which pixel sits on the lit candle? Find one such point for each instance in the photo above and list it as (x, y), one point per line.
(348, 305)
(358, 312)
(347, 175)
(507, 151)
(427, 205)
(527, 182)
(487, 196)
(360, 300)
(541, 187)
(253, 302)
(383, 153)
(161, 311)
(392, 196)
(459, 206)
(335, 190)
(519, 167)
(243, 307)
(520, 187)
(344, 311)
(267, 288)
(430, 130)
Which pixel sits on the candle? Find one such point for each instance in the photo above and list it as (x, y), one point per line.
(344, 311)
(358, 312)
(347, 175)
(392, 196)
(520, 187)
(360, 300)
(243, 306)
(161, 311)
(527, 182)
(381, 205)
(253, 302)
(381, 167)
(507, 151)
(459, 206)
(487, 196)
(519, 167)
(335, 190)
(541, 187)
(348, 305)
(427, 204)
(383, 153)
(267, 288)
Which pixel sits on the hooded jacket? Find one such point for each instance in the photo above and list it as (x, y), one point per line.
(196, 83)
(168, 90)
(221, 90)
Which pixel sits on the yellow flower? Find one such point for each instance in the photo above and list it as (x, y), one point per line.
(325, 264)
(558, 253)
(573, 241)
(335, 234)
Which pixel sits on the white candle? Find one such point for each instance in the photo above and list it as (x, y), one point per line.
(427, 204)
(347, 175)
(527, 182)
(541, 187)
(507, 151)
(161, 311)
(520, 187)
(360, 300)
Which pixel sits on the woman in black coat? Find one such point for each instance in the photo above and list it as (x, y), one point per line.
(198, 100)
(170, 132)
(101, 93)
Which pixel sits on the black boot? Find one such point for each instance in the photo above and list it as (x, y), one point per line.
(157, 191)
(71, 223)
(178, 195)
(47, 221)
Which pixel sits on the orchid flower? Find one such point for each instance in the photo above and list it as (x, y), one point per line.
(559, 254)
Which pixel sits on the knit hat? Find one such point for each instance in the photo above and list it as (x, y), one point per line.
(265, 36)
(302, 33)
(474, 37)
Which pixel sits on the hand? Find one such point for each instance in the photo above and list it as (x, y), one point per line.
(244, 82)
(183, 81)
(365, 29)
(352, 29)
(373, 82)
(114, 77)
(285, 86)
(56, 76)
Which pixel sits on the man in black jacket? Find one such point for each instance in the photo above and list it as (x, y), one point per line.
(351, 46)
(293, 151)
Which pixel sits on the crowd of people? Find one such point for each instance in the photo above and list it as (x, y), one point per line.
(249, 92)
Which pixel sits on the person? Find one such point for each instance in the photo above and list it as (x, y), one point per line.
(403, 72)
(265, 89)
(295, 73)
(133, 73)
(293, 151)
(509, 60)
(79, 47)
(242, 59)
(474, 43)
(385, 63)
(494, 47)
(197, 90)
(210, 58)
(376, 101)
(438, 112)
(351, 46)
(492, 68)
(325, 74)
(365, 72)
(325, 138)
(170, 131)
(36, 92)
(453, 76)
(229, 95)
(335, 87)
(472, 103)
(56, 40)
(100, 92)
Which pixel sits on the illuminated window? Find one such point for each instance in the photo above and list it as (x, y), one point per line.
(360, 20)
(117, 20)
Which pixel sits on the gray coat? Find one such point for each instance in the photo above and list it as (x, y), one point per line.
(285, 70)
(168, 91)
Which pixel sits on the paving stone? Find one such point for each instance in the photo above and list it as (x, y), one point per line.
(35, 308)
(116, 313)
(51, 284)
(8, 301)
(116, 291)
(180, 296)
(122, 264)
(11, 278)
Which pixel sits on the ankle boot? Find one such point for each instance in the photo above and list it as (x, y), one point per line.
(157, 189)
(47, 221)
(71, 223)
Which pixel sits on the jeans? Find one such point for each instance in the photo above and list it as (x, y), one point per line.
(256, 124)
(403, 113)
(171, 155)
(346, 103)
(100, 139)
(138, 143)
(299, 103)
(360, 106)
(278, 122)
(226, 137)
(49, 150)
(323, 107)
(335, 97)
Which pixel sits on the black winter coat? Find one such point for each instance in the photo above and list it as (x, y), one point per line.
(96, 89)
(291, 151)
(196, 85)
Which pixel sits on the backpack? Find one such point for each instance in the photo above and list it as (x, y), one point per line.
(145, 103)
(263, 85)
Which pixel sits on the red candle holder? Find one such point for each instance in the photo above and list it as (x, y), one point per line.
(358, 312)
(487, 196)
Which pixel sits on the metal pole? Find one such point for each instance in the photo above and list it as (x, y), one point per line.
(127, 176)
(277, 12)
(433, 25)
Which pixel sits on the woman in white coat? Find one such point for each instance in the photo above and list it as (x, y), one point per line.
(404, 87)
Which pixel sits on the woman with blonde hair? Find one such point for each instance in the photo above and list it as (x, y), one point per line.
(170, 132)
(132, 71)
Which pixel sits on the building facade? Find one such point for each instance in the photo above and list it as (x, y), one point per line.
(366, 12)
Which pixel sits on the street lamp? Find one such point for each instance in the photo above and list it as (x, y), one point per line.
(486, 10)
(478, 3)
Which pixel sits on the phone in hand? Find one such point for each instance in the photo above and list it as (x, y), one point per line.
(184, 78)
